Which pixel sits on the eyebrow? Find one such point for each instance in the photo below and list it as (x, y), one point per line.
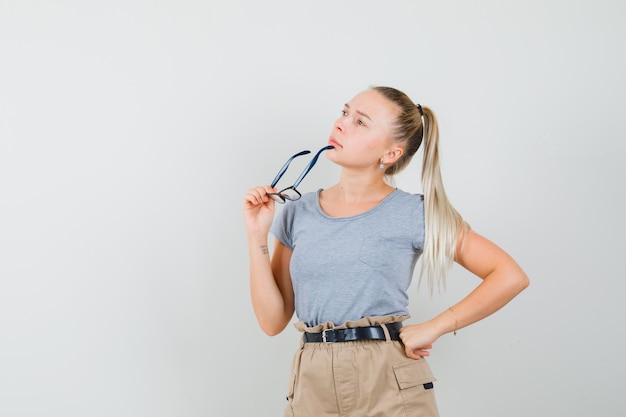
(359, 112)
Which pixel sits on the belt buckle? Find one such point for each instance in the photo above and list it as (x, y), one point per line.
(324, 339)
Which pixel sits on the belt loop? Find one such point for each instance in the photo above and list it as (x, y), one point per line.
(386, 331)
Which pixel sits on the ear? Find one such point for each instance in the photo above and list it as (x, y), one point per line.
(392, 155)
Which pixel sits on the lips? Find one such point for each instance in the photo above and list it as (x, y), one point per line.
(334, 143)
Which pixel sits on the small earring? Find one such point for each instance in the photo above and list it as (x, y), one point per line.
(381, 166)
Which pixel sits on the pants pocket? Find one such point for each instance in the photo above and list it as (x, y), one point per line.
(416, 384)
(291, 386)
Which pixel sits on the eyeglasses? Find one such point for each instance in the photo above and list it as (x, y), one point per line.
(290, 193)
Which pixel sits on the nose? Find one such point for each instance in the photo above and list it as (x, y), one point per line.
(339, 126)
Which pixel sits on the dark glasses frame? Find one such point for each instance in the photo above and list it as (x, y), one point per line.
(291, 193)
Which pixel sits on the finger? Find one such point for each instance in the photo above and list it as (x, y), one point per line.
(413, 355)
(256, 196)
(410, 353)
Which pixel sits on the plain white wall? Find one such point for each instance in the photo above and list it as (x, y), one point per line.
(130, 130)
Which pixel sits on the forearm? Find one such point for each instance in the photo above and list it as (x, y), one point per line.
(493, 293)
(268, 301)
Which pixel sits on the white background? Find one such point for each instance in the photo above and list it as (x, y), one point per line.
(130, 131)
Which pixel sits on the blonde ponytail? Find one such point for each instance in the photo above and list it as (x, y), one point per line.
(443, 222)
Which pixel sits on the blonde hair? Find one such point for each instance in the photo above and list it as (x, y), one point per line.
(414, 124)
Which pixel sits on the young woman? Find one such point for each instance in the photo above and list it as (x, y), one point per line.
(343, 258)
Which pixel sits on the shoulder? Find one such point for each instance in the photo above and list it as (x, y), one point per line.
(405, 198)
(310, 197)
(408, 206)
(410, 212)
(307, 202)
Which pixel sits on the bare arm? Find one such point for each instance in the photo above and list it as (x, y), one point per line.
(270, 281)
(502, 279)
(270, 285)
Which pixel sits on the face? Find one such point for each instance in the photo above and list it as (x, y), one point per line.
(361, 134)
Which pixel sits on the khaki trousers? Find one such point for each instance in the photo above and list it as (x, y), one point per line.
(364, 378)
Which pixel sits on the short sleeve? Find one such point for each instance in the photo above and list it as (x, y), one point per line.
(419, 223)
(282, 225)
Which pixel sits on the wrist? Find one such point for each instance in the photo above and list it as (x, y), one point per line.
(456, 320)
(446, 322)
(258, 236)
(258, 243)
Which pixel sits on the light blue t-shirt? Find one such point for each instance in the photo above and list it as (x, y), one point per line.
(344, 269)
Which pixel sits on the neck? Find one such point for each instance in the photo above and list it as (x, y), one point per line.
(355, 189)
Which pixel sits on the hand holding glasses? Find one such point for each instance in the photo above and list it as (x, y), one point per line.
(290, 193)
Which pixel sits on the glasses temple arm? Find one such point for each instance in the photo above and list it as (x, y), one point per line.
(311, 164)
(284, 168)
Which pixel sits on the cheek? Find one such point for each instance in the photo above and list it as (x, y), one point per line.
(374, 143)
(371, 152)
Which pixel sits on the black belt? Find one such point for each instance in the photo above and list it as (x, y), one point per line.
(357, 333)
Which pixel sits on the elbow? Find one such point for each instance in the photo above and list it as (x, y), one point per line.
(272, 329)
(522, 282)
(273, 322)
(512, 281)
(272, 332)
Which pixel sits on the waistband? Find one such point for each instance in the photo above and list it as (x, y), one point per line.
(355, 333)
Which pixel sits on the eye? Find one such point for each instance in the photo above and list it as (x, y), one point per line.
(344, 113)
(360, 122)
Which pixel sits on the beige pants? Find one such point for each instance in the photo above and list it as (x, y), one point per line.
(362, 378)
